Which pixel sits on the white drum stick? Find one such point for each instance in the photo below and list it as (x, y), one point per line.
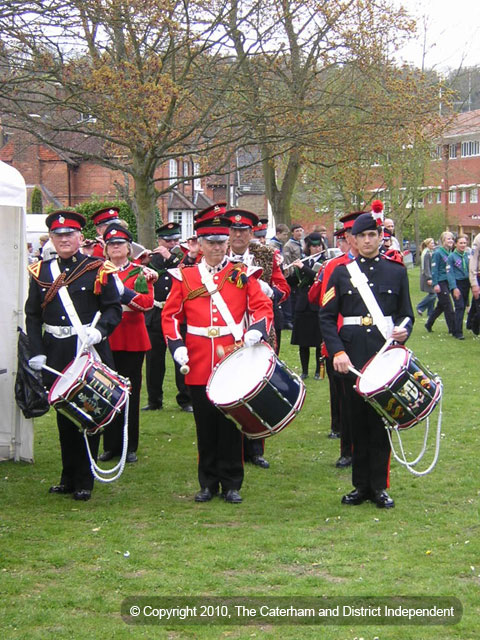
(47, 368)
(389, 341)
(93, 323)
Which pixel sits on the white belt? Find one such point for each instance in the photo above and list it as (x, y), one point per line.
(61, 332)
(212, 332)
(158, 304)
(363, 321)
(126, 308)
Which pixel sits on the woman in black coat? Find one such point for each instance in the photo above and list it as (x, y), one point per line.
(306, 328)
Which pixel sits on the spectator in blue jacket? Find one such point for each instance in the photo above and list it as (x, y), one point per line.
(443, 283)
(458, 262)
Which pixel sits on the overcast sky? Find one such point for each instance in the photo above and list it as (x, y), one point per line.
(453, 33)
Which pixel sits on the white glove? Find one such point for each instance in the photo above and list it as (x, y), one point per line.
(36, 363)
(252, 337)
(180, 355)
(93, 336)
(266, 288)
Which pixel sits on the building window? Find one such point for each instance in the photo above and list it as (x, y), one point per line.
(173, 171)
(471, 148)
(185, 220)
(452, 151)
(463, 196)
(474, 195)
(430, 198)
(197, 183)
(452, 197)
(186, 169)
(439, 197)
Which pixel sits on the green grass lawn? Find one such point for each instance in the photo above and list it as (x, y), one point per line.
(66, 567)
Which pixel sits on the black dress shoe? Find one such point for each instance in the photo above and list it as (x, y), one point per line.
(260, 461)
(188, 408)
(343, 461)
(205, 495)
(60, 488)
(333, 435)
(232, 496)
(152, 407)
(131, 457)
(355, 497)
(382, 499)
(83, 494)
(428, 328)
(106, 456)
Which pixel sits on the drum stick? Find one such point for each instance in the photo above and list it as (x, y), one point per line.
(388, 342)
(47, 368)
(355, 371)
(93, 323)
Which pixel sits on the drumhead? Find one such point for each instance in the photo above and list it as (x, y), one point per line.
(382, 369)
(239, 373)
(70, 375)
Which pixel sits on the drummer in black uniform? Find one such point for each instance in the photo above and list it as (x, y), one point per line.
(64, 296)
(356, 342)
(167, 255)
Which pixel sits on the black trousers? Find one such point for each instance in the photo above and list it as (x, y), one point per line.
(461, 304)
(340, 421)
(444, 305)
(155, 370)
(76, 472)
(219, 442)
(128, 364)
(371, 447)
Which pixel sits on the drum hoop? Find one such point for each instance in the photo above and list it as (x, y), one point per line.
(368, 394)
(80, 377)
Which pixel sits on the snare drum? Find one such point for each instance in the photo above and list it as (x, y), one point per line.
(398, 387)
(89, 393)
(257, 390)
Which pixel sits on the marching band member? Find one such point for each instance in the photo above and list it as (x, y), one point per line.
(129, 341)
(64, 296)
(365, 326)
(167, 255)
(306, 329)
(214, 297)
(101, 219)
(244, 249)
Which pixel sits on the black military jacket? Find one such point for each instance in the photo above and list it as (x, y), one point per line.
(389, 283)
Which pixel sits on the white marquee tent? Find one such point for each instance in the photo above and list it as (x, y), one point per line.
(16, 432)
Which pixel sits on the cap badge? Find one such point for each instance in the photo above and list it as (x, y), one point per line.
(61, 219)
(113, 232)
(238, 218)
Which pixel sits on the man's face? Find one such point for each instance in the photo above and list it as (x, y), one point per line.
(389, 224)
(283, 236)
(67, 244)
(297, 233)
(100, 229)
(352, 242)
(168, 243)
(213, 250)
(240, 239)
(368, 243)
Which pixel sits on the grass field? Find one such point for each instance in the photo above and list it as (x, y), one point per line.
(66, 567)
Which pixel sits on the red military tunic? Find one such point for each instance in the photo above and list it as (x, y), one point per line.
(131, 334)
(188, 302)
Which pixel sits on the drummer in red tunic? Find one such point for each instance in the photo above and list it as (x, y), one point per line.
(130, 340)
(214, 298)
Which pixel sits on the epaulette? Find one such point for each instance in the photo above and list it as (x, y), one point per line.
(34, 269)
(107, 268)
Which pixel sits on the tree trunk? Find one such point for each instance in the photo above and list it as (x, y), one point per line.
(281, 199)
(145, 200)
